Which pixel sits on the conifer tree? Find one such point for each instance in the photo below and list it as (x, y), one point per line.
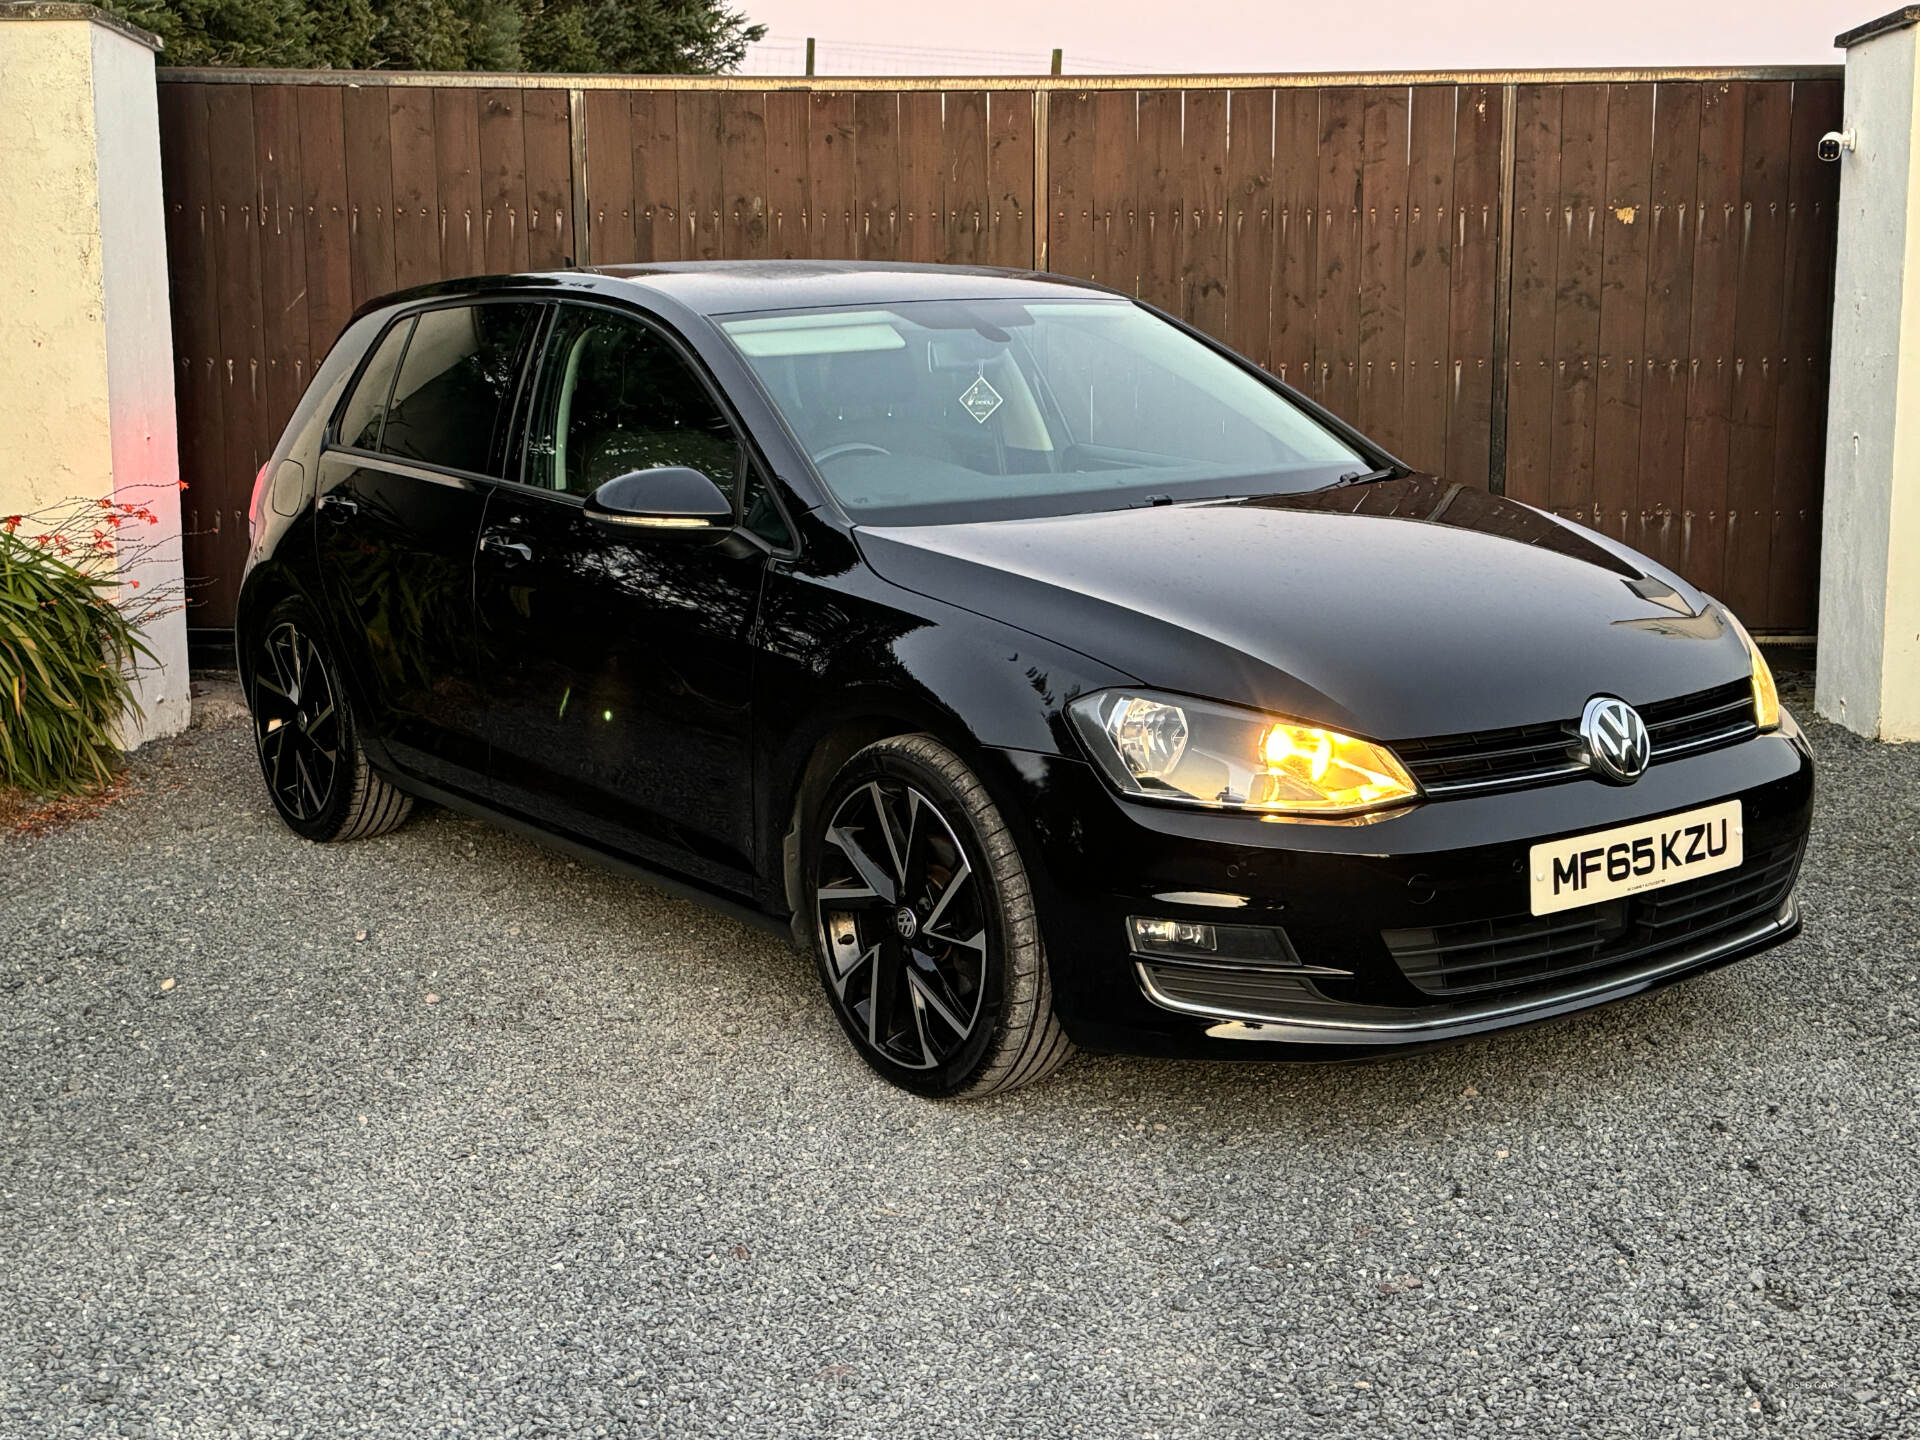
(635, 37)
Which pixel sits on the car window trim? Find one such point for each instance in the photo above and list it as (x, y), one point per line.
(749, 450)
(412, 469)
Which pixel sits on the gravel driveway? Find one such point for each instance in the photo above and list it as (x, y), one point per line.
(439, 1134)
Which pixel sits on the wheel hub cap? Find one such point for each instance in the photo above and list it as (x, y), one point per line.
(906, 922)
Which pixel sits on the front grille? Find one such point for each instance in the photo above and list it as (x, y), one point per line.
(1534, 754)
(1700, 721)
(1516, 950)
(1222, 991)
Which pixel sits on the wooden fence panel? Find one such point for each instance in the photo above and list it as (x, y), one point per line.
(549, 145)
(1474, 280)
(1661, 485)
(1384, 147)
(1625, 219)
(1157, 209)
(1116, 192)
(743, 175)
(1203, 234)
(1758, 305)
(876, 166)
(611, 208)
(1336, 331)
(968, 200)
(1800, 423)
(922, 200)
(194, 282)
(502, 140)
(1293, 298)
(834, 206)
(1250, 222)
(416, 186)
(1576, 300)
(456, 156)
(1607, 296)
(286, 339)
(1018, 213)
(1429, 261)
(1070, 174)
(1531, 292)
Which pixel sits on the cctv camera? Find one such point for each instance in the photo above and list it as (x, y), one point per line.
(1833, 142)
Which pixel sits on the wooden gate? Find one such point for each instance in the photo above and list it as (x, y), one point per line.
(1607, 294)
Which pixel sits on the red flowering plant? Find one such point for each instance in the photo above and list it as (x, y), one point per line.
(72, 612)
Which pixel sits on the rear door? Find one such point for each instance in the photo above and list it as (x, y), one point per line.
(619, 660)
(403, 482)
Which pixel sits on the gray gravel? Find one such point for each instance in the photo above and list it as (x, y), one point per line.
(441, 1135)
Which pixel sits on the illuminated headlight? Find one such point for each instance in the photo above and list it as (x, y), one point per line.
(1766, 695)
(1194, 752)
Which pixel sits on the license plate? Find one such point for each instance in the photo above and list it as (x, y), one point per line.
(1606, 864)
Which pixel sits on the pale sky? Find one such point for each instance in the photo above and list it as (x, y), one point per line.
(998, 36)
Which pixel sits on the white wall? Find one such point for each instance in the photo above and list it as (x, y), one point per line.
(86, 347)
(1869, 654)
(139, 350)
(54, 440)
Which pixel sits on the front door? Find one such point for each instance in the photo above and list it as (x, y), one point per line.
(402, 489)
(619, 661)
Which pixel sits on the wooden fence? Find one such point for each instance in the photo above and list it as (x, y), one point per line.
(1607, 294)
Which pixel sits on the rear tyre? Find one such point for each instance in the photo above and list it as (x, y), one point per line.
(316, 772)
(923, 925)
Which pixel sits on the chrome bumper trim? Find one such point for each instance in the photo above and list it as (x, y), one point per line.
(1410, 1026)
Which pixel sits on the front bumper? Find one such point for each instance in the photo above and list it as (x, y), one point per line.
(1338, 891)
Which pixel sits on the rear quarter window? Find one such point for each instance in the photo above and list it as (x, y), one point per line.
(454, 395)
(366, 408)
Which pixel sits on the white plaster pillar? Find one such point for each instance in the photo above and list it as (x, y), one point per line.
(1869, 656)
(86, 342)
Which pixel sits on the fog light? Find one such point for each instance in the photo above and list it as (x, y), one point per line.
(1171, 936)
(1196, 942)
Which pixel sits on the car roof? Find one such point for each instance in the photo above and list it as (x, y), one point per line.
(729, 287)
(723, 287)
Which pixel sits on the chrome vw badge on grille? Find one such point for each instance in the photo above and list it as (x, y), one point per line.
(1618, 747)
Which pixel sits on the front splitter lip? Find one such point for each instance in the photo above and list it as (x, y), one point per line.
(1409, 1028)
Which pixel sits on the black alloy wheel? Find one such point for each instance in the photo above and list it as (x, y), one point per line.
(317, 775)
(900, 909)
(296, 723)
(924, 928)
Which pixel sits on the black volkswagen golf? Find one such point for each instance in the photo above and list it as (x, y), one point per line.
(1054, 675)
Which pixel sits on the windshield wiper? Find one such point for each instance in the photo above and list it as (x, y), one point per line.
(1367, 477)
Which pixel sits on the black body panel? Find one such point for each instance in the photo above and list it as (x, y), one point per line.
(395, 551)
(619, 681)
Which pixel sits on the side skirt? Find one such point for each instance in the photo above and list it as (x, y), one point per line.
(729, 905)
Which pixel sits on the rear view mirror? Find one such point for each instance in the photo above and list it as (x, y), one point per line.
(673, 497)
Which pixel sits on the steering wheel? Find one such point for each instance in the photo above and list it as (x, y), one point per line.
(851, 447)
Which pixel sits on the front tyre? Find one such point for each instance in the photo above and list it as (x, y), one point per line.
(924, 929)
(317, 774)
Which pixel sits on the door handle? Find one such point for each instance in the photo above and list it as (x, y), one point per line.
(339, 507)
(511, 550)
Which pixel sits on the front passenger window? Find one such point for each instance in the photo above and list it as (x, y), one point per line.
(616, 397)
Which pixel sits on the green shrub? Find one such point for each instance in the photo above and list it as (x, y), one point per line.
(67, 650)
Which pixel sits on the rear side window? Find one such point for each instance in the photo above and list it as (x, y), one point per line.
(367, 406)
(452, 401)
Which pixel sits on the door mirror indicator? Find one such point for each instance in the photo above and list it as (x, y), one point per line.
(672, 497)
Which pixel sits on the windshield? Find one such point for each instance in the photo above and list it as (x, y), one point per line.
(944, 410)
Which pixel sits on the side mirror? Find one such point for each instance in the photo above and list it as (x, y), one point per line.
(673, 497)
